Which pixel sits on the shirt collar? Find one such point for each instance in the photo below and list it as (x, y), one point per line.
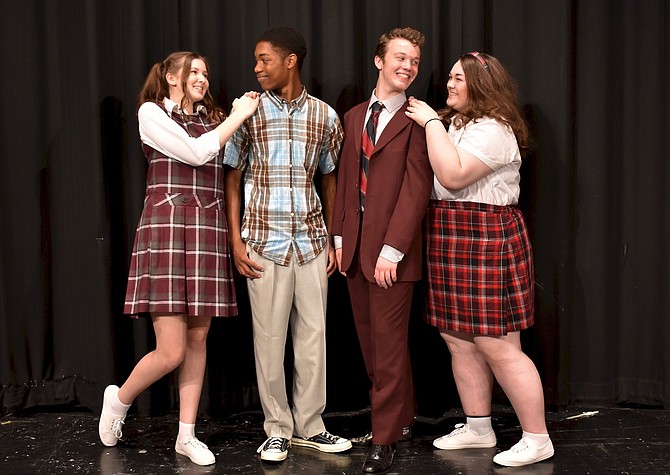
(296, 103)
(391, 104)
(172, 107)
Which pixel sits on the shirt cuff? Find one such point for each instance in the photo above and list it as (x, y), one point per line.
(337, 242)
(391, 254)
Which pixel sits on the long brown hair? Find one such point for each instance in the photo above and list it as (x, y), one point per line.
(156, 87)
(491, 93)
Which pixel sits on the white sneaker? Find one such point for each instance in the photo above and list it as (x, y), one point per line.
(195, 450)
(462, 437)
(522, 454)
(109, 427)
(274, 449)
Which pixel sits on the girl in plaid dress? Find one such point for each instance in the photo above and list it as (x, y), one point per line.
(480, 268)
(180, 272)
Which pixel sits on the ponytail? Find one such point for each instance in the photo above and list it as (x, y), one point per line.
(156, 87)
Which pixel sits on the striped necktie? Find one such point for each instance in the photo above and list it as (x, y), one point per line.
(368, 146)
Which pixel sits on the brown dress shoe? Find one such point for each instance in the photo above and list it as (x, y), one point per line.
(380, 458)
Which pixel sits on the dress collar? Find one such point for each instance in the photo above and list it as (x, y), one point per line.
(172, 107)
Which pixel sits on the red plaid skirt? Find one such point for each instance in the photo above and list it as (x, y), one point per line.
(479, 268)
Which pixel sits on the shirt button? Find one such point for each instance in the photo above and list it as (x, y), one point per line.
(292, 214)
(184, 200)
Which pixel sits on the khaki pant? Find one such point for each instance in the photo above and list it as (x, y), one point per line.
(294, 295)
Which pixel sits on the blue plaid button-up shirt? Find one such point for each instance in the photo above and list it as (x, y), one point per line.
(281, 147)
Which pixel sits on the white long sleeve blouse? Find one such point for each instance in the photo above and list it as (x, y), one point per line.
(160, 132)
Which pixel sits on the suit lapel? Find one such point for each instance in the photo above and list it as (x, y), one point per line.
(357, 124)
(393, 128)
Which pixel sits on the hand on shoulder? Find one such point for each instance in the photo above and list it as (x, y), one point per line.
(420, 112)
(246, 104)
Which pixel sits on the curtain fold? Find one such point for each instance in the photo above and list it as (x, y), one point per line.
(592, 78)
(622, 209)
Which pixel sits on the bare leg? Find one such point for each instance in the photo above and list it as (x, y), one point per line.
(518, 377)
(169, 353)
(472, 374)
(192, 369)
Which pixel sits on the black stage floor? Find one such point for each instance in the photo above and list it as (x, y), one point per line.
(587, 441)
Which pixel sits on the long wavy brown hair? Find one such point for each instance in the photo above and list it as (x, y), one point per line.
(491, 93)
(156, 87)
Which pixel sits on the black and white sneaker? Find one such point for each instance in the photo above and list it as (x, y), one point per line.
(325, 442)
(274, 449)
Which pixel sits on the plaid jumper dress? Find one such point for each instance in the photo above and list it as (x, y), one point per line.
(181, 261)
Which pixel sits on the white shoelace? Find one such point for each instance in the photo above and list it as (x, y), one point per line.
(195, 443)
(273, 443)
(459, 429)
(327, 435)
(519, 447)
(117, 424)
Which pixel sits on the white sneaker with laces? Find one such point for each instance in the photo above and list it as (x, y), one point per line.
(522, 454)
(195, 450)
(109, 427)
(462, 437)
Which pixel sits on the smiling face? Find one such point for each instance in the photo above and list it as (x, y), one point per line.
(271, 69)
(457, 87)
(398, 68)
(197, 83)
(195, 86)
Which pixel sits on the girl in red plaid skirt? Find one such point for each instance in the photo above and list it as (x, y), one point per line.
(180, 271)
(479, 259)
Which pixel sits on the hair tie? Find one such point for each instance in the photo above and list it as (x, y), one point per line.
(430, 120)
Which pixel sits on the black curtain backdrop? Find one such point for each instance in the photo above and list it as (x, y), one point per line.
(593, 79)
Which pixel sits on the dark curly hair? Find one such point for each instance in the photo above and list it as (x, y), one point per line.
(287, 40)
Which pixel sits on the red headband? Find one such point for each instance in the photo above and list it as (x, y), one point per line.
(479, 58)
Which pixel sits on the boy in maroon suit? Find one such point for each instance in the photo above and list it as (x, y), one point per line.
(384, 184)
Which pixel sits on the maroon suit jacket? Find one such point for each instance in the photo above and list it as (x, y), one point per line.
(399, 184)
